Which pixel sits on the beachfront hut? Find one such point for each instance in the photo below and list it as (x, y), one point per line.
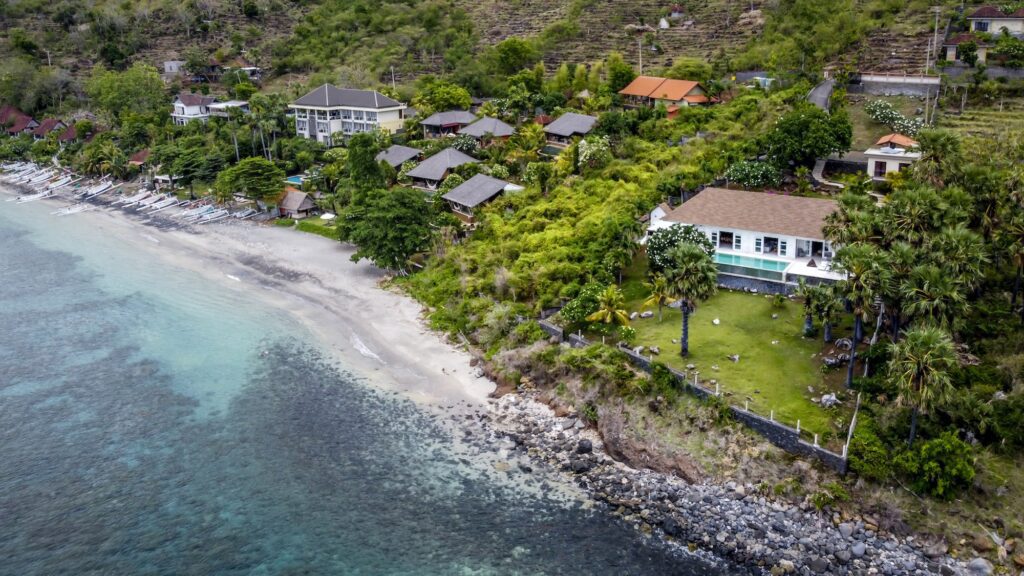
(475, 192)
(396, 155)
(296, 204)
(46, 127)
(488, 129)
(14, 121)
(432, 171)
(446, 123)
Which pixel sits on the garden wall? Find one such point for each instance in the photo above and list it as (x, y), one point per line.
(749, 284)
(780, 435)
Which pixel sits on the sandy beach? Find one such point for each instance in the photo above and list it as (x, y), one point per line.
(378, 333)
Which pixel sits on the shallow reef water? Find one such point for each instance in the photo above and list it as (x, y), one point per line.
(151, 424)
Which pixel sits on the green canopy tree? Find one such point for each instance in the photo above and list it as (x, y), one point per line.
(865, 278)
(255, 177)
(807, 133)
(138, 89)
(692, 277)
(919, 368)
(388, 227)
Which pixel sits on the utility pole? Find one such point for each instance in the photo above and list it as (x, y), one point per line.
(937, 10)
(393, 78)
(640, 53)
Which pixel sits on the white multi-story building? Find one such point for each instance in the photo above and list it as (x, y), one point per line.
(759, 235)
(189, 107)
(892, 153)
(329, 113)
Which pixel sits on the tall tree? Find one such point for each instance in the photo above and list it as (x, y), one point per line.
(255, 177)
(865, 275)
(363, 168)
(388, 227)
(692, 277)
(919, 369)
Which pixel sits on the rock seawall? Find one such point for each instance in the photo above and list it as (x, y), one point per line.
(732, 521)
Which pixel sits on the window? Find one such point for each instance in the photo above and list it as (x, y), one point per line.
(757, 244)
(980, 26)
(357, 114)
(371, 116)
(301, 125)
(346, 127)
(904, 166)
(737, 242)
(346, 114)
(301, 114)
(335, 114)
(714, 238)
(783, 247)
(321, 127)
(879, 169)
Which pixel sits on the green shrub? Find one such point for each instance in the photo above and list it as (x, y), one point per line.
(576, 311)
(314, 228)
(754, 174)
(285, 222)
(528, 332)
(627, 334)
(868, 456)
(829, 494)
(1008, 420)
(941, 467)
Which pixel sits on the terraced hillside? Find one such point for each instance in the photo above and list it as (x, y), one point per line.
(989, 122)
(587, 30)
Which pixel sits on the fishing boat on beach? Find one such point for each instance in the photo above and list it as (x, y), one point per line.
(159, 205)
(215, 215)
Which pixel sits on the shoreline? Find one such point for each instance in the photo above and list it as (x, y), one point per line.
(309, 275)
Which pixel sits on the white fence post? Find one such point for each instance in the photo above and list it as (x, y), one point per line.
(798, 427)
(717, 393)
(815, 440)
(746, 405)
(771, 416)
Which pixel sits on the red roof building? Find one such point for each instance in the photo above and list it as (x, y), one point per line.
(15, 121)
(46, 126)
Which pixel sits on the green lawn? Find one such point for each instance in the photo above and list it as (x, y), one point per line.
(777, 364)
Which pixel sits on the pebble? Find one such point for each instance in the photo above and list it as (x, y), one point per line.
(727, 520)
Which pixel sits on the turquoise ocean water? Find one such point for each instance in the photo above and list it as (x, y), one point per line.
(154, 422)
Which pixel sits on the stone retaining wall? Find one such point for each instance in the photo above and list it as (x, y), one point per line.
(780, 435)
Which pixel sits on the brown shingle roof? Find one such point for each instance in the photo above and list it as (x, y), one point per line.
(190, 99)
(47, 126)
(988, 12)
(642, 86)
(962, 38)
(756, 212)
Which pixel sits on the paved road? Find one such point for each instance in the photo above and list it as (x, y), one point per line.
(821, 93)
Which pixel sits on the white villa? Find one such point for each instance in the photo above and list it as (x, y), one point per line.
(191, 107)
(759, 235)
(221, 109)
(992, 19)
(892, 153)
(328, 110)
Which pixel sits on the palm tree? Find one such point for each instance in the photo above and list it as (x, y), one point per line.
(660, 293)
(826, 305)
(1012, 236)
(865, 275)
(940, 156)
(808, 293)
(692, 276)
(919, 368)
(610, 310)
(961, 253)
(903, 257)
(934, 296)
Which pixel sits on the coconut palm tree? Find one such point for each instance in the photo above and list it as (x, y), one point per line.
(692, 276)
(660, 293)
(610, 308)
(865, 276)
(919, 369)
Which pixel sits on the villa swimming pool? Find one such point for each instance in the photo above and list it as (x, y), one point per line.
(295, 180)
(752, 267)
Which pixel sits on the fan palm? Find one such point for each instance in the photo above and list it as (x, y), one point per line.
(692, 276)
(865, 279)
(660, 296)
(826, 305)
(934, 296)
(610, 308)
(919, 368)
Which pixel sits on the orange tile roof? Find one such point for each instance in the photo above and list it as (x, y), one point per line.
(697, 99)
(673, 89)
(642, 86)
(897, 139)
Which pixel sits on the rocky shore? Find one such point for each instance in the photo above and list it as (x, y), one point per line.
(733, 521)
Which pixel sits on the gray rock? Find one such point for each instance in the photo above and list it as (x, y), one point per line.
(585, 446)
(634, 315)
(979, 567)
(843, 556)
(655, 350)
(858, 550)
(647, 314)
(846, 529)
(818, 565)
